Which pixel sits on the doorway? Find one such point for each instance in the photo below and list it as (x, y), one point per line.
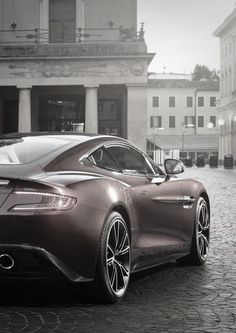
(62, 114)
(62, 21)
(10, 116)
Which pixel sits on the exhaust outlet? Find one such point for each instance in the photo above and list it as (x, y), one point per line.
(6, 261)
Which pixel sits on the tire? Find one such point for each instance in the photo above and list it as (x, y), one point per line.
(113, 267)
(201, 236)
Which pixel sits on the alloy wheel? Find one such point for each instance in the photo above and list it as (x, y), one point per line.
(118, 257)
(203, 230)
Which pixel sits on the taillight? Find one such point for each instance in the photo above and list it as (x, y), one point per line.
(41, 201)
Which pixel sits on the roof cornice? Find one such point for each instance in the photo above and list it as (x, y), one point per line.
(229, 19)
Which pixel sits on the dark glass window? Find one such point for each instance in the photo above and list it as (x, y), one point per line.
(200, 121)
(171, 101)
(171, 121)
(157, 171)
(155, 101)
(189, 101)
(62, 115)
(103, 160)
(129, 160)
(212, 101)
(109, 117)
(200, 101)
(156, 121)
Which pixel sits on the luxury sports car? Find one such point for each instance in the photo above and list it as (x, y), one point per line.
(93, 207)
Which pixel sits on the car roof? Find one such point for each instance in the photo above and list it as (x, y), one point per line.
(74, 138)
(70, 136)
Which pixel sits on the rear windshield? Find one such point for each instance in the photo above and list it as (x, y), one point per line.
(28, 149)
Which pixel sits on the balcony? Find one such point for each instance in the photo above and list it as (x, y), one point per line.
(91, 42)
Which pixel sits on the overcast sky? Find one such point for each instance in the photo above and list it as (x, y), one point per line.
(180, 32)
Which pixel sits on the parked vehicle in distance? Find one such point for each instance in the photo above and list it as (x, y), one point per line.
(94, 208)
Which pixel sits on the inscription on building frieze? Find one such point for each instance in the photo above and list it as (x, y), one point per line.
(75, 50)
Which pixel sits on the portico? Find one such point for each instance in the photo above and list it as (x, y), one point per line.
(104, 92)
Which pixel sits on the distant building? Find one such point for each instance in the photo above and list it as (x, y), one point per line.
(73, 65)
(227, 108)
(182, 118)
(169, 76)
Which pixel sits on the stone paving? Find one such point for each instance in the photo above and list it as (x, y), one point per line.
(165, 299)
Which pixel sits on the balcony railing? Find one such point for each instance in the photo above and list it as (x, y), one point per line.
(23, 36)
(66, 34)
(85, 43)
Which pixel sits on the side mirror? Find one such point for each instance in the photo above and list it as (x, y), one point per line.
(173, 166)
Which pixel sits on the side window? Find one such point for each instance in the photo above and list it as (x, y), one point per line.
(103, 160)
(155, 168)
(129, 160)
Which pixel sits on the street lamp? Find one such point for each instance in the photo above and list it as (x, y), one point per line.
(155, 130)
(183, 128)
(221, 122)
(210, 126)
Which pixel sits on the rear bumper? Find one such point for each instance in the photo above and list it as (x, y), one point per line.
(32, 262)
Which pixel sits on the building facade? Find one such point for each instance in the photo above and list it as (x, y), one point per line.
(226, 32)
(182, 118)
(73, 65)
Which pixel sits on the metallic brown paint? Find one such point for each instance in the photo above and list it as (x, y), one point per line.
(160, 228)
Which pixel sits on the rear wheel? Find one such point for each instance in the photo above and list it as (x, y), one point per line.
(113, 270)
(201, 236)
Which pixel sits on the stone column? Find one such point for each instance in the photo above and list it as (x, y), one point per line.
(91, 109)
(137, 115)
(24, 122)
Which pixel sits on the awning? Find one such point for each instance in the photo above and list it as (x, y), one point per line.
(193, 142)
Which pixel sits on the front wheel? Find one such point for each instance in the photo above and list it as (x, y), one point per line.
(201, 236)
(113, 270)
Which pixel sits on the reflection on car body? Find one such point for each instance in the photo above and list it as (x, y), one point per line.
(94, 208)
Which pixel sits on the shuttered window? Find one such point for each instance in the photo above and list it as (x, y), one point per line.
(156, 121)
(62, 21)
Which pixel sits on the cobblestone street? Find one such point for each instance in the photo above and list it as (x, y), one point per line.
(165, 299)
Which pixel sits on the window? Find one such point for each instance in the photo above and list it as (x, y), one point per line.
(213, 120)
(62, 114)
(103, 160)
(200, 101)
(155, 101)
(171, 121)
(62, 21)
(109, 117)
(129, 160)
(171, 101)
(189, 102)
(189, 120)
(212, 101)
(200, 121)
(157, 171)
(156, 121)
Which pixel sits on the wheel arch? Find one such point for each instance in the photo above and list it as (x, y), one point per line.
(124, 213)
